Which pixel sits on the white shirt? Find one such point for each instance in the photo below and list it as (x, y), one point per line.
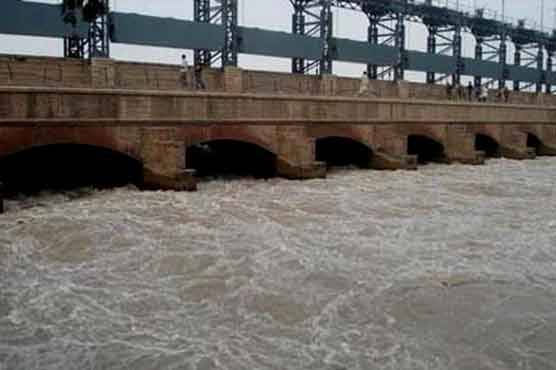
(184, 65)
(364, 82)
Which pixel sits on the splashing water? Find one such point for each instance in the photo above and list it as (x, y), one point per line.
(450, 267)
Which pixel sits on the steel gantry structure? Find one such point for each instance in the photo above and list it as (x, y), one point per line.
(215, 35)
(223, 13)
(95, 13)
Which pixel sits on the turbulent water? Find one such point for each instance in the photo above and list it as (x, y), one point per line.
(446, 268)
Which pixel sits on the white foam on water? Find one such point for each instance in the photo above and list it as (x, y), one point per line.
(362, 270)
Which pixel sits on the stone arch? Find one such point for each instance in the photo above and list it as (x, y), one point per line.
(488, 145)
(194, 136)
(63, 165)
(534, 143)
(343, 150)
(427, 148)
(15, 140)
(224, 156)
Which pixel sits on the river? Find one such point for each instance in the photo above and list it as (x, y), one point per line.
(451, 267)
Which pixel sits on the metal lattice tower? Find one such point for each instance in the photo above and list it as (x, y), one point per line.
(386, 27)
(99, 33)
(550, 51)
(444, 38)
(225, 13)
(97, 42)
(314, 18)
(528, 52)
(490, 45)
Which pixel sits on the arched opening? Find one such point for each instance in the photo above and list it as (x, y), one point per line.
(426, 149)
(68, 166)
(338, 151)
(230, 158)
(488, 145)
(534, 143)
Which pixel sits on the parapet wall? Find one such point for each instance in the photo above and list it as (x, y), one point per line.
(63, 72)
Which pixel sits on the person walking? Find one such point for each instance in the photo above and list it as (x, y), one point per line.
(184, 71)
(364, 84)
(199, 83)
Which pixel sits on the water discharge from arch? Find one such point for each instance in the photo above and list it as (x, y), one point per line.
(231, 158)
(68, 166)
(340, 152)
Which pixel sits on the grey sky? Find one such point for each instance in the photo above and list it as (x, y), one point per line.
(271, 14)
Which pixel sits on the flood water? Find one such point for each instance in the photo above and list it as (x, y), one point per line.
(447, 268)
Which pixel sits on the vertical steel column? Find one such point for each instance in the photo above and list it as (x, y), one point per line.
(456, 52)
(229, 20)
(202, 14)
(399, 69)
(540, 65)
(549, 67)
(517, 62)
(298, 28)
(431, 48)
(372, 69)
(326, 33)
(99, 38)
(502, 60)
(478, 56)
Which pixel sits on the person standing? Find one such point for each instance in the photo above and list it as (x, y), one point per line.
(364, 84)
(184, 71)
(506, 93)
(484, 94)
(449, 90)
(459, 91)
(470, 91)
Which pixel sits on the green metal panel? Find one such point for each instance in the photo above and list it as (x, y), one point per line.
(278, 44)
(165, 32)
(34, 19)
(425, 62)
(363, 52)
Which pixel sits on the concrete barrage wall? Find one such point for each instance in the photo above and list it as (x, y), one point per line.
(61, 72)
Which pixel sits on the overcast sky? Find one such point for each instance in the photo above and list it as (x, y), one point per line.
(276, 15)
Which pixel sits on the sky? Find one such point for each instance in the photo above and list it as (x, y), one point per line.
(276, 15)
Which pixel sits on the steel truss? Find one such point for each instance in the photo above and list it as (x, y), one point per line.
(99, 33)
(528, 55)
(314, 18)
(387, 29)
(97, 42)
(492, 49)
(222, 12)
(445, 40)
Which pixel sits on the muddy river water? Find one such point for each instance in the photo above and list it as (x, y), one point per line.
(447, 268)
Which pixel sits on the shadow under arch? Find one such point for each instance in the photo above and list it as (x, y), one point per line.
(534, 143)
(342, 151)
(426, 149)
(488, 145)
(68, 166)
(230, 157)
